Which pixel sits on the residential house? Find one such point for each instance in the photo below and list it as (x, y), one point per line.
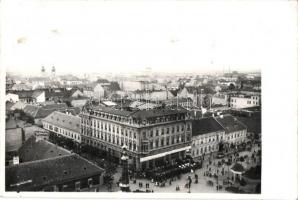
(207, 134)
(153, 95)
(95, 91)
(37, 82)
(220, 98)
(132, 85)
(70, 80)
(38, 112)
(244, 101)
(235, 130)
(30, 96)
(197, 94)
(12, 97)
(20, 87)
(63, 124)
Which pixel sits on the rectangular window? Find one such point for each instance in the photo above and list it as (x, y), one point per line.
(178, 128)
(168, 130)
(188, 127)
(156, 132)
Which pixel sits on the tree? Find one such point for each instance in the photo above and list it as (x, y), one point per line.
(108, 178)
(232, 86)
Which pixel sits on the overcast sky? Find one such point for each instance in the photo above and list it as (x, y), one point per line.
(85, 36)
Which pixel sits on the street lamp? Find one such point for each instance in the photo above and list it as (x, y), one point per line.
(188, 154)
(124, 185)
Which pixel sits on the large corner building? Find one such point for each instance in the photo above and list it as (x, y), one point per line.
(152, 136)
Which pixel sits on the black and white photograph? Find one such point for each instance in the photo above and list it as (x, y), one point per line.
(145, 97)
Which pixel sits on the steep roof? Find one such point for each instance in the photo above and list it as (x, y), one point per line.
(254, 124)
(63, 120)
(13, 139)
(55, 93)
(34, 149)
(24, 93)
(230, 123)
(43, 111)
(36, 93)
(205, 125)
(37, 174)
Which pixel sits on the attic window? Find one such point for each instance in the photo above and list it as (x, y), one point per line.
(51, 151)
(63, 120)
(65, 172)
(44, 178)
(59, 154)
(69, 122)
(85, 168)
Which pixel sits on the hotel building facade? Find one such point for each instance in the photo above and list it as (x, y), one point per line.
(152, 137)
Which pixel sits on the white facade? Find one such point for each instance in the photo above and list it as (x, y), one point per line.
(220, 99)
(62, 131)
(131, 85)
(12, 97)
(236, 137)
(244, 101)
(206, 143)
(41, 98)
(99, 92)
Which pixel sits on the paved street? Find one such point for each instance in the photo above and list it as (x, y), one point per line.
(201, 186)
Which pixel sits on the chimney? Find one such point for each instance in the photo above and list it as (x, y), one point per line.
(221, 116)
